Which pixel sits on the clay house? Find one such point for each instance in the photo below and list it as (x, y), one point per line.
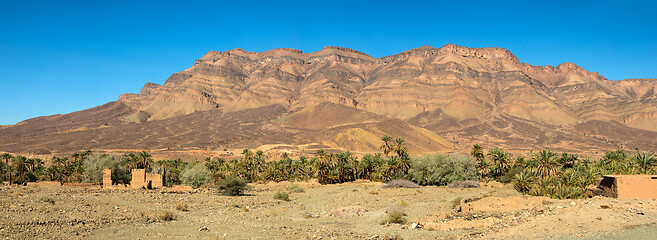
(629, 186)
(140, 179)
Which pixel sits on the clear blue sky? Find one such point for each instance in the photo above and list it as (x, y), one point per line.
(60, 56)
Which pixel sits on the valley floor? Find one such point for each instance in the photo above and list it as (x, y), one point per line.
(340, 211)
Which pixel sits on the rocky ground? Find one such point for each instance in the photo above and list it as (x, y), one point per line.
(341, 211)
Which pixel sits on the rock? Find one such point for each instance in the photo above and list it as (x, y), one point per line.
(413, 226)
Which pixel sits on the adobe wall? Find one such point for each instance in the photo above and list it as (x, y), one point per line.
(107, 177)
(138, 178)
(155, 179)
(630, 186)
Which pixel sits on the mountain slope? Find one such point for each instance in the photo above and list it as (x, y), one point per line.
(439, 99)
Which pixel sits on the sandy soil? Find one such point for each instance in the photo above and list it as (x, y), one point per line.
(341, 211)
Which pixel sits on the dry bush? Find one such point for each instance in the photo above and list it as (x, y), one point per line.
(394, 217)
(396, 237)
(401, 183)
(280, 195)
(295, 189)
(464, 184)
(47, 199)
(456, 202)
(143, 213)
(167, 216)
(182, 207)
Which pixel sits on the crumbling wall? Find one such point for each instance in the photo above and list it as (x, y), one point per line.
(155, 179)
(138, 178)
(608, 186)
(107, 177)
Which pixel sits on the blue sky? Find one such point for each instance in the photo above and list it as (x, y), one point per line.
(58, 57)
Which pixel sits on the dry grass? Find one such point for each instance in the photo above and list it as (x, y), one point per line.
(182, 207)
(167, 216)
(47, 199)
(394, 217)
(295, 189)
(280, 195)
(456, 202)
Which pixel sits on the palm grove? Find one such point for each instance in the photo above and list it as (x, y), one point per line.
(545, 173)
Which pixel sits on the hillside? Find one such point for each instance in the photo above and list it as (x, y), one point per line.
(439, 99)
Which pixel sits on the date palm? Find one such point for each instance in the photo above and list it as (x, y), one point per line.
(7, 157)
(400, 147)
(547, 165)
(386, 146)
(500, 160)
(645, 161)
(523, 181)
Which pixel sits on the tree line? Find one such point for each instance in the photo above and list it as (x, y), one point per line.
(545, 173)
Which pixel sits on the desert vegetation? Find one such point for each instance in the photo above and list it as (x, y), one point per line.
(544, 173)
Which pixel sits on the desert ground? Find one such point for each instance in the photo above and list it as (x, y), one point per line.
(340, 211)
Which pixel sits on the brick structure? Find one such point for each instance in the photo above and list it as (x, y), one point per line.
(156, 180)
(107, 177)
(138, 178)
(629, 186)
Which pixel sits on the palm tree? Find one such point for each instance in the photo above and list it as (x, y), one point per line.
(500, 159)
(567, 160)
(547, 165)
(6, 157)
(323, 165)
(386, 145)
(20, 165)
(399, 147)
(144, 160)
(477, 153)
(645, 161)
(523, 181)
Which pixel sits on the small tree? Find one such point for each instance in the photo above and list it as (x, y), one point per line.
(196, 175)
(231, 186)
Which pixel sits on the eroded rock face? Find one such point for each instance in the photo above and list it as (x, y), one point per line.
(463, 83)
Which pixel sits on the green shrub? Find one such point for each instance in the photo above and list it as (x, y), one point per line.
(95, 164)
(510, 175)
(196, 176)
(394, 217)
(231, 186)
(280, 195)
(47, 199)
(442, 169)
(295, 189)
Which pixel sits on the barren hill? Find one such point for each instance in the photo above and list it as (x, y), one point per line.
(439, 99)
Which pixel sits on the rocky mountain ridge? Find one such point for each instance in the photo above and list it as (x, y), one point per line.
(453, 95)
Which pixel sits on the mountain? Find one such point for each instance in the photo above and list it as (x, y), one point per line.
(438, 99)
